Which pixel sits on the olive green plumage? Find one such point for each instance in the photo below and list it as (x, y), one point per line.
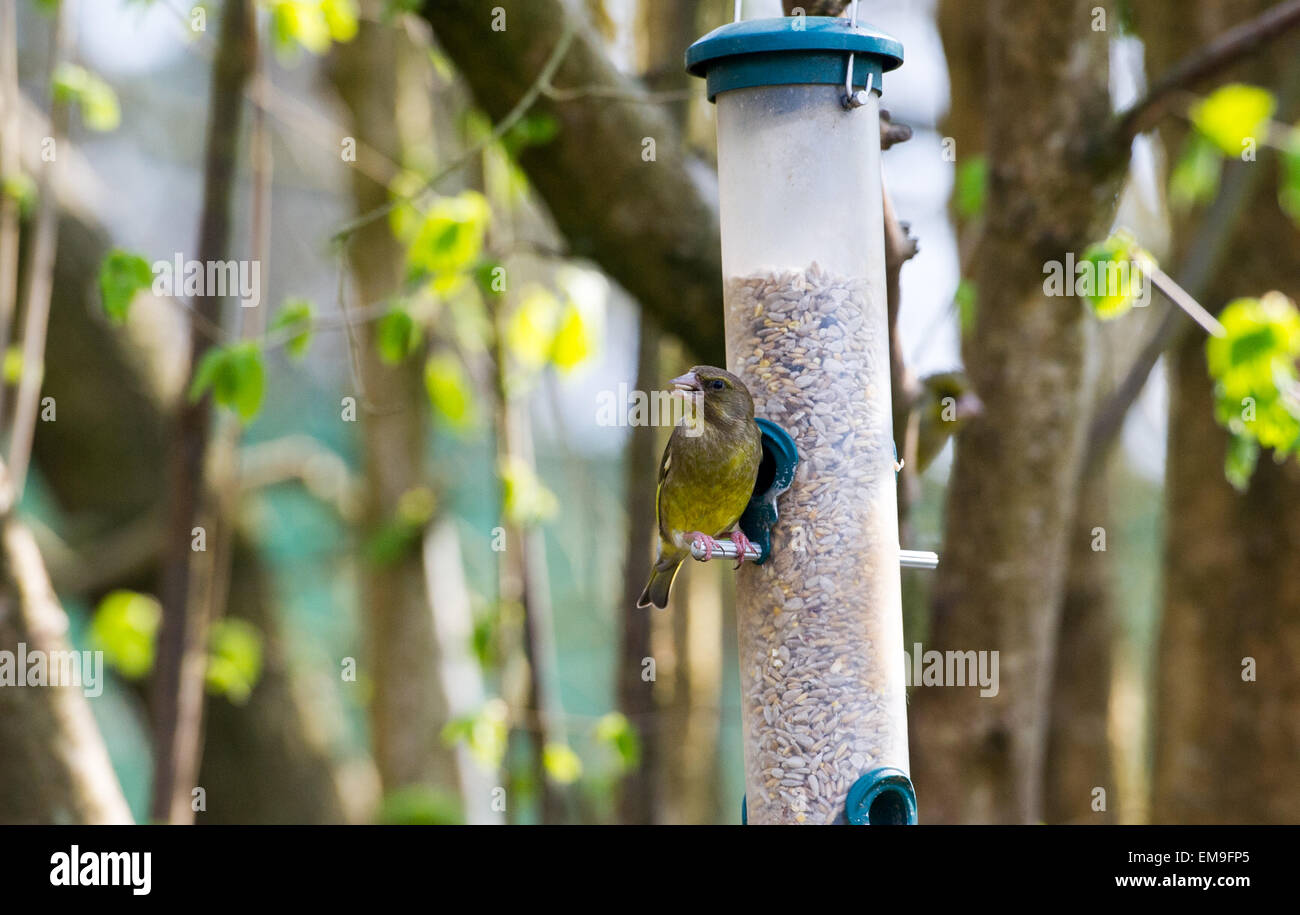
(707, 472)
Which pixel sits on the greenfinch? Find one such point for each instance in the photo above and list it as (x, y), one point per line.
(706, 475)
(943, 406)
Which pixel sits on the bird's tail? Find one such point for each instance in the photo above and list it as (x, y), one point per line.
(656, 589)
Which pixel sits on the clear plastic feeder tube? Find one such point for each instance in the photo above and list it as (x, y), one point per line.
(820, 624)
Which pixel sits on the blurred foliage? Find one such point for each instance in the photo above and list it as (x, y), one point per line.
(616, 733)
(96, 99)
(1289, 192)
(397, 335)
(311, 24)
(122, 275)
(1114, 274)
(526, 499)
(448, 238)
(12, 370)
(562, 765)
(1228, 122)
(533, 129)
(449, 391)
(1257, 385)
(965, 299)
(1194, 179)
(295, 318)
(402, 533)
(971, 190)
(236, 377)
(124, 627)
(421, 805)
(20, 187)
(234, 659)
(483, 733)
(1234, 115)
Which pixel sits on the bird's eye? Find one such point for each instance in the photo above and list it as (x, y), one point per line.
(717, 384)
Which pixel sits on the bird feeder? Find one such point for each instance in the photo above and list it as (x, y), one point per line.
(820, 620)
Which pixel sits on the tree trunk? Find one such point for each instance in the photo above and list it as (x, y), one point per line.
(409, 707)
(999, 585)
(1226, 746)
(1079, 758)
(53, 763)
(278, 769)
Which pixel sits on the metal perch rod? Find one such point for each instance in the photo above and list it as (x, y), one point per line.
(725, 549)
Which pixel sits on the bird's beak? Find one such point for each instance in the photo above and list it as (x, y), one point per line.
(969, 406)
(687, 385)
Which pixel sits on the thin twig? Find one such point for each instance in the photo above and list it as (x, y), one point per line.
(40, 268)
(614, 93)
(10, 169)
(526, 102)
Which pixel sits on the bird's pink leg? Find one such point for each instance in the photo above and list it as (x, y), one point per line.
(709, 543)
(743, 544)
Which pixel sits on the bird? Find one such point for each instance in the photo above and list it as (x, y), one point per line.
(706, 474)
(943, 405)
(815, 7)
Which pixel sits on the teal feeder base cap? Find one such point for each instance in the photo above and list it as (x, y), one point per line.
(791, 50)
(775, 474)
(882, 797)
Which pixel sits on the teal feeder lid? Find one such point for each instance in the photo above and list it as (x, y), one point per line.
(792, 50)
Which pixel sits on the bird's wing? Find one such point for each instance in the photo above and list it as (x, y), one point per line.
(665, 463)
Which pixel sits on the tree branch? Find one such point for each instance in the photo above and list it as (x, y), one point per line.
(1209, 61)
(636, 210)
(178, 675)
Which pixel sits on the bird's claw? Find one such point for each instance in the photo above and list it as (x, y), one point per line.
(709, 543)
(743, 545)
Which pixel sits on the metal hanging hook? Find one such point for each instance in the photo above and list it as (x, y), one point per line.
(859, 98)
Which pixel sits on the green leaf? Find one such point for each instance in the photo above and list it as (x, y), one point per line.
(1195, 177)
(1257, 386)
(1289, 192)
(96, 98)
(449, 390)
(617, 733)
(530, 329)
(300, 23)
(235, 376)
(1233, 114)
(124, 627)
(536, 129)
(562, 764)
(450, 236)
(397, 336)
(234, 659)
(573, 343)
(13, 364)
(421, 805)
(965, 299)
(121, 276)
(1114, 278)
(1239, 463)
(526, 499)
(20, 187)
(971, 192)
(400, 535)
(341, 18)
(295, 317)
(483, 733)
